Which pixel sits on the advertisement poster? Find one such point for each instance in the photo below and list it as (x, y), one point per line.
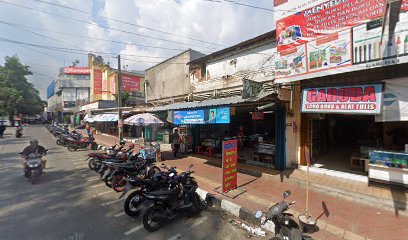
(97, 81)
(229, 165)
(202, 116)
(325, 18)
(112, 84)
(258, 115)
(130, 83)
(358, 99)
(189, 117)
(104, 84)
(51, 89)
(331, 51)
(367, 41)
(83, 94)
(291, 62)
(69, 94)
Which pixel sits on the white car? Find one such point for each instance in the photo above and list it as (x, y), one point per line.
(6, 122)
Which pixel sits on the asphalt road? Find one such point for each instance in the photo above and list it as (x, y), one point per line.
(70, 202)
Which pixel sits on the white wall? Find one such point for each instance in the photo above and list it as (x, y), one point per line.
(255, 64)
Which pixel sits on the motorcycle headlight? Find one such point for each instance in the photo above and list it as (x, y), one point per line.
(34, 165)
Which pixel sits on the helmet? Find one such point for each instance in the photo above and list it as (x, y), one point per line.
(122, 142)
(34, 142)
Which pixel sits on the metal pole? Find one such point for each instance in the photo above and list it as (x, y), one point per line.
(120, 127)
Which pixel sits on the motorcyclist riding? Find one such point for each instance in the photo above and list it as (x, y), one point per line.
(34, 148)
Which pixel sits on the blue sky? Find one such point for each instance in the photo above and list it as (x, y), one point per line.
(217, 22)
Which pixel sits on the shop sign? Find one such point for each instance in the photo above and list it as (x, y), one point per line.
(76, 70)
(229, 165)
(357, 99)
(202, 116)
(257, 115)
(97, 81)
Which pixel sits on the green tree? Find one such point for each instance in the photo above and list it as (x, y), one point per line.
(17, 95)
(125, 97)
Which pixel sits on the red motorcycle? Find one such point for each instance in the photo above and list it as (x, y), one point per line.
(85, 142)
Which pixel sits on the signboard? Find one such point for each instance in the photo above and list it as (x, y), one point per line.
(97, 81)
(257, 115)
(251, 88)
(229, 165)
(51, 89)
(357, 99)
(104, 84)
(76, 70)
(130, 83)
(395, 101)
(202, 116)
(112, 84)
(336, 36)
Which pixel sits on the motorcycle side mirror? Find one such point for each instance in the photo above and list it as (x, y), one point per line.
(191, 165)
(286, 194)
(258, 214)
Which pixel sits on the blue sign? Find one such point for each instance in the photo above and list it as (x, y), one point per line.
(202, 116)
(50, 89)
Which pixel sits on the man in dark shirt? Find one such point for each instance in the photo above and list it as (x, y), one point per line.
(2, 129)
(34, 148)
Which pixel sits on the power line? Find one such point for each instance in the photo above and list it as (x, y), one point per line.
(102, 26)
(132, 24)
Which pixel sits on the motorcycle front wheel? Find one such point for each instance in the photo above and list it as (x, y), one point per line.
(91, 164)
(118, 185)
(59, 142)
(152, 218)
(72, 148)
(132, 203)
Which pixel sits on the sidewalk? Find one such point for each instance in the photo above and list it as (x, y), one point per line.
(354, 213)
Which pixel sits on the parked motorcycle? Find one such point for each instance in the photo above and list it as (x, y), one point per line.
(34, 168)
(166, 204)
(85, 142)
(160, 181)
(286, 227)
(63, 139)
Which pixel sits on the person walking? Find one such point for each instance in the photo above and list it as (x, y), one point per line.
(88, 129)
(176, 143)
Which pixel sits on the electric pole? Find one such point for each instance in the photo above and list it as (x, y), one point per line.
(120, 121)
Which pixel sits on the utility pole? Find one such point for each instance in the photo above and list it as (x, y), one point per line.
(120, 121)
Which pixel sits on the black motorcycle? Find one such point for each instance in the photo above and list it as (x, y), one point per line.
(160, 181)
(286, 227)
(166, 204)
(34, 168)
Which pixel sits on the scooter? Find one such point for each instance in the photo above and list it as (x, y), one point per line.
(34, 168)
(286, 227)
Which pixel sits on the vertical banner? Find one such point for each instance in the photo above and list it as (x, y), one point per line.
(112, 84)
(229, 165)
(97, 81)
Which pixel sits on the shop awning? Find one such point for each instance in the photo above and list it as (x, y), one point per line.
(89, 119)
(106, 117)
(211, 102)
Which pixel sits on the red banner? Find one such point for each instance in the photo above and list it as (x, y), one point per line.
(130, 83)
(325, 18)
(112, 82)
(97, 81)
(229, 165)
(257, 115)
(76, 70)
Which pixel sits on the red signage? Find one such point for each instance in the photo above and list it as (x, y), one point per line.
(229, 165)
(76, 70)
(130, 83)
(325, 18)
(344, 99)
(97, 81)
(257, 115)
(112, 82)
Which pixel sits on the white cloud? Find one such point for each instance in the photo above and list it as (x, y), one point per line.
(222, 23)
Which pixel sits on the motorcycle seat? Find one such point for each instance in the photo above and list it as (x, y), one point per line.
(169, 192)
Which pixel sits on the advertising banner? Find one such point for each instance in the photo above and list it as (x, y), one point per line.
(329, 52)
(202, 116)
(337, 36)
(76, 70)
(357, 99)
(97, 81)
(112, 84)
(69, 94)
(291, 62)
(258, 115)
(229, 165)
(51, 89)
(83, 94)
(104, 84)
(130, 83)
(395, 101)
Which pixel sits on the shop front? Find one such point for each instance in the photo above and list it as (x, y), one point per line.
(347, 127)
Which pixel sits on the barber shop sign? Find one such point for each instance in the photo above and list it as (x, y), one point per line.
(356, 99)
